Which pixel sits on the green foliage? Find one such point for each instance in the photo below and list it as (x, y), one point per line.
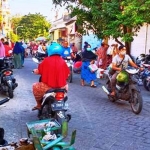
(34, 25)
(111, 17)
(13, 36)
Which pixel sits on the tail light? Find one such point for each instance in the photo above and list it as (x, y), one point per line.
(59, 96)
(7, 73)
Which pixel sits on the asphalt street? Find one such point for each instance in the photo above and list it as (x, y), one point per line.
(100, 124)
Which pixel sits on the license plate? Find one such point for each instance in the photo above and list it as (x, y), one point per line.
(59, 106)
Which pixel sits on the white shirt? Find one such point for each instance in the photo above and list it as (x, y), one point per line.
(40, 49)
(117, 60)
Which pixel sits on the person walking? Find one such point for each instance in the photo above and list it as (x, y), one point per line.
(8, 49)
(17, 52)
(102, 56)
(88, 58)
(2, 49)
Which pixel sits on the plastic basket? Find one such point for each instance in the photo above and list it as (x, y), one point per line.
(40, 125)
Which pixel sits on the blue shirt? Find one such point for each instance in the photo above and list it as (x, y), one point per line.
(66, 52)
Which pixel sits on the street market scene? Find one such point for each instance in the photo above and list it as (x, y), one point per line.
(74, 75)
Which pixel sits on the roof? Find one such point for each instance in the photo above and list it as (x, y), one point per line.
(59, 26)
(71, 20)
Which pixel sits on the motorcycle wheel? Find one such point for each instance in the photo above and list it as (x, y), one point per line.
(136, 102)
(70, 76)
(145, 84)
(10, 93)
(45, 112)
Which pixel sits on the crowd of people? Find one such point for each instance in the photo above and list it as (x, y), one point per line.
(55, 53)
(17, 50)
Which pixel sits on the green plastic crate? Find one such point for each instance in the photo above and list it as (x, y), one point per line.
(39, 125)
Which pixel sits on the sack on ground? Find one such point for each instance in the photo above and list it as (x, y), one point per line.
(93, 67)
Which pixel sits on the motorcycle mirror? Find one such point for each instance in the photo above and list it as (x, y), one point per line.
(35, 60)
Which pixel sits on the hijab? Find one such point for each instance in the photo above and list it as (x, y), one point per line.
(18, 48)
(2, 49)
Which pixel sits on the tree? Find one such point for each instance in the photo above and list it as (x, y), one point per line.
(34, 25)
(13, 36)
(116, 18)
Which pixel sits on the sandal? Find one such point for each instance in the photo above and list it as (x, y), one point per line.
(93, 86)
(36, 108)
(112, 94)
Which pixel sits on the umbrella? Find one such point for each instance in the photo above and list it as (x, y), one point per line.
(40, 39)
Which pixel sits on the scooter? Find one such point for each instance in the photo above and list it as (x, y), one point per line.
(127, 91)
(54, 104)
(69, 63)
(7, 80)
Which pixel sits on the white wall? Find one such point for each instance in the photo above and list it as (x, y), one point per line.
(140, 44)
(92, 40)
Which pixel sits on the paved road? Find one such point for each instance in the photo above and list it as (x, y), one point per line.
(100, 124)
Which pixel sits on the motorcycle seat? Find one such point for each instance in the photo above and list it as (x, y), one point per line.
(55, 90)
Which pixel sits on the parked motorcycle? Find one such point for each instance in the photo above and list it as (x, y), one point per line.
(143, 74)
(9, 62)
(54, 104)
(146, 79)
(7, 80)
(143, 58)
(126, 89)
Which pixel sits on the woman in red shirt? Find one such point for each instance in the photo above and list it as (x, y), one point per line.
(7, 49)
(54, 73)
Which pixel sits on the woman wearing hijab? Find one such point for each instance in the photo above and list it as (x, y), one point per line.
(2, 49)
(17, 51)
(54, 73)
(88, 58)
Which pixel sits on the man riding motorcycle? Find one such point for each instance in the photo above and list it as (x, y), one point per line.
(66, 50)
(54, 73)
(120, 61)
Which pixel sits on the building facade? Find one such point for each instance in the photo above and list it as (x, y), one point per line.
(5, 24)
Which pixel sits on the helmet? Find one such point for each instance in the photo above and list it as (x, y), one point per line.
(55, 48)
(123, 77)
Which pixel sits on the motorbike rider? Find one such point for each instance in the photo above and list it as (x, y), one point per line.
(54, 73)
(66, 50)
(125, 60)
(41, 51)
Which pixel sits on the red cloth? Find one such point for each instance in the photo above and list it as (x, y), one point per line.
(54, 71)
(78, 64)
(7, 49)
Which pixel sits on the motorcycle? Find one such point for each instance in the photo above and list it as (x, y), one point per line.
(54, 104)
(146, 79)
(69, 63)
(143, 59)
(127, 91)
(142, 75)
(7, 80)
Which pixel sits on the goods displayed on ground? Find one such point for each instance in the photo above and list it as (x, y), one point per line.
(45, 137)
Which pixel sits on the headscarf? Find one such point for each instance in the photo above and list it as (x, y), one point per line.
(54, 71)
(17, 48)
(2, 49)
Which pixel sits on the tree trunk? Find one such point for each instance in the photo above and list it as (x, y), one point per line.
(128, 47)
